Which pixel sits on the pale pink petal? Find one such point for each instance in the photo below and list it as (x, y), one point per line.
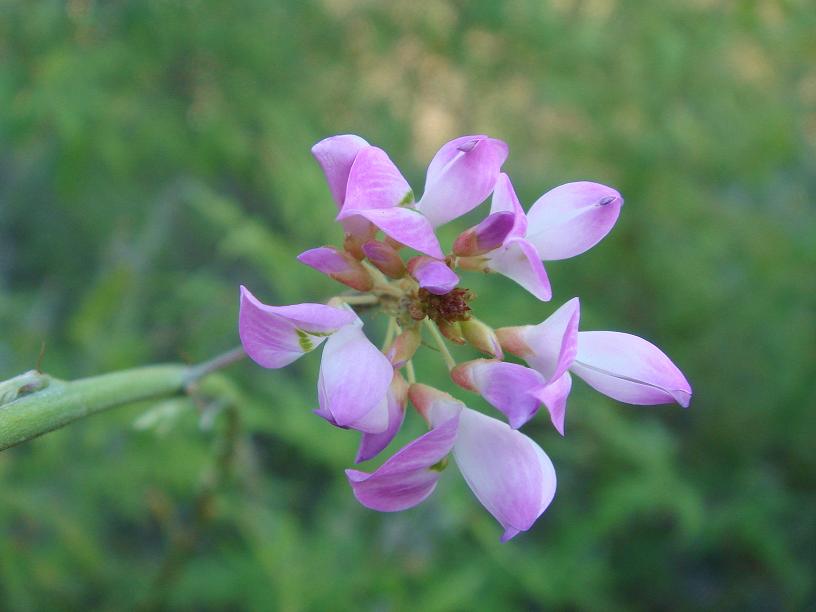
(572, 218)
(372, 443)
(433, 275)
(336, 155)
(404, 225)
(434, 405)
(339, 266)
(506, 386)
(554, 397)
(505, 200)
(519, 261)
(508, 472)
(629, 369)
(275, 336)
(553, 342)
(353, 382)
(409, 476)
(490, 234)
(461, 176)
(375, 182)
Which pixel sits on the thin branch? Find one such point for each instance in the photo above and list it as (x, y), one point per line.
(409, 371)
(216, 363)
(30, 409)
(450, 362)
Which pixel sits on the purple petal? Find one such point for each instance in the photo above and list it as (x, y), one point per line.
(408, 477)
(572, 218)
(506, 386)
(554, 397)
(375, 182)
(518, 260)
(372, 443)
(554, 341)
(508, 472)
(629, 369)
(336, 155)
(404, 225)
(461, 176)
(490, 234)
(505, 200)
(353, 382)
(339, 266)
(433, 275)
(275, 336)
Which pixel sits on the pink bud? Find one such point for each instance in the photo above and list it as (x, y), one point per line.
(485, 237)
(385, 258)
(404, 347)
(339, 266)
(482, 337)
(432, 274)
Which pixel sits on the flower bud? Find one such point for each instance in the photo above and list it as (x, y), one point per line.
(482, 337)
(404, 347)
(339, 266)
(432, 274)
(385, 258)
(397, 245)
(485, 237)
(451, 331)
(354, 240)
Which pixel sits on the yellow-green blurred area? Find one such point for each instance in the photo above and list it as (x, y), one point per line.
(154, 155)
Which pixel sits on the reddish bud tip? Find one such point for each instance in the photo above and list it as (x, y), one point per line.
(490, 234)
(385, 258)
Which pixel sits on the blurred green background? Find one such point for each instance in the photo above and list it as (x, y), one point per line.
(154, 155)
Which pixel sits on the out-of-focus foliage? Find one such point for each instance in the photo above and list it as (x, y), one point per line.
(155, 154)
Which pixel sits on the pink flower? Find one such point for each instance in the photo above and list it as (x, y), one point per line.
(362, 387)
(509, 473)
(369, 189)
(564, 222)
(622, 366)
(354, 374)
(275, 336)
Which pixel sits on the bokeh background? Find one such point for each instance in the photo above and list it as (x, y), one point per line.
(155, 154)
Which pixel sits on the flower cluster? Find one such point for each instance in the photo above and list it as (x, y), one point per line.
(362, 387)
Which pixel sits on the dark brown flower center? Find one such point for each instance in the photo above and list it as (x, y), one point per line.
(448, 308)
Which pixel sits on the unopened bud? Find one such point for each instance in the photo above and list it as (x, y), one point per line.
(385, 258)
(432, 274)
(363, 231)
(404, 347)
(398, 246)
(490, 234)
(482, 337)
(512, 340)
(339, 266)
(451, 331)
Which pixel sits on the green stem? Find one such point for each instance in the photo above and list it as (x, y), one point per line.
(390, 332)
(440, 343)
(57, 403)
(358, 299)
(409, 371)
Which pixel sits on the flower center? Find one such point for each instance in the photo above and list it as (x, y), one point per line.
(448, 308)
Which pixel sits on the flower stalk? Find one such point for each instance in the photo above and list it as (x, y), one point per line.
(450, 362)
